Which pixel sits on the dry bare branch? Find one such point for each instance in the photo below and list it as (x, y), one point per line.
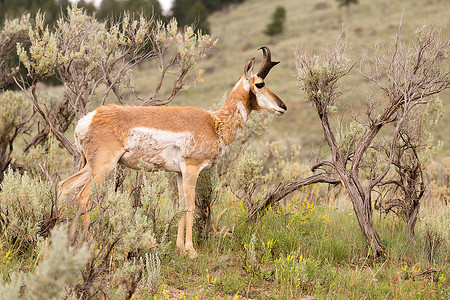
(409, 74)
(282, 191)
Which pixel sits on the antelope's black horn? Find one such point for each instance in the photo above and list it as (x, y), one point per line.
(267, 63)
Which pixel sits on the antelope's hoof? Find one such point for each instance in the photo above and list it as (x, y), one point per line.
(192, 253)
(182, 250)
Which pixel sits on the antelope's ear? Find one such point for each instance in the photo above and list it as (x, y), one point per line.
(248, 70)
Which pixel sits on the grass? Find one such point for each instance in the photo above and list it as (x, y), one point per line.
(318, 252)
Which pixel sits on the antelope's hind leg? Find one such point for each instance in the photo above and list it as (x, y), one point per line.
(103, 165)
(75, 181)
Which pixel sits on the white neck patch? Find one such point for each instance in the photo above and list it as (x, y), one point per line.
(245, 84)
(242, 111)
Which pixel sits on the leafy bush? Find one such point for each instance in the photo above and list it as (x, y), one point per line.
(27, 209)
(128, 236)
(206, 194)
(48, 161)
(117, 221)
(435, 238)
(60, 269)
(152, 267)
(28, 212)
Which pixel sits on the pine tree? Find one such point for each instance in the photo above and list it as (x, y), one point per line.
(51, 8)
(180, 9)
(188, 12)
(148, 7)
(347, 3)
(198, 15)
(109, 8)
(277, 24)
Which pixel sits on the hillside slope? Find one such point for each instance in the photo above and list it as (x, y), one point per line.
(311, 23)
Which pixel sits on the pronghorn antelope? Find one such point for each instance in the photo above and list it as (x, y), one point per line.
(184, 140)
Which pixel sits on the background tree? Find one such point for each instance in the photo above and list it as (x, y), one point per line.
(278, 19)
(409, 76)
(179, 10)
(51, 8)
(214, 5)
(13, 114)
(147, 7)
(109, 8)
(114, 8)
(88, 6)
(189, 12)
(346, 4)
(12, 32)
(198, 15)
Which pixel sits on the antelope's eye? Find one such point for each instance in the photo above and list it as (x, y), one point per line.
(260, 85)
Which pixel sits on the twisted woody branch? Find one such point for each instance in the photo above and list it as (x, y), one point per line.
(408, 74)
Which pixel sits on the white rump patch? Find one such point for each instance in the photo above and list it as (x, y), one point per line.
(83, 125)
(82, 129)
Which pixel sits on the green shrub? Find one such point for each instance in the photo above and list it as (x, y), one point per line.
(48, 161)
(206, 194)
(115, 221)
(435, 234)
(128, 235)
(59, 270)
(27, 209)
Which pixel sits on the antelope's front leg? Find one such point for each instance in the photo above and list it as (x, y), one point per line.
(182, 205)
(189, 182)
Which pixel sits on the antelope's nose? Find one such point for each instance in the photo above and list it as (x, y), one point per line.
(281, 109)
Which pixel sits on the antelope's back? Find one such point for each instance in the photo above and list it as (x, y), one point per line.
(160, 136)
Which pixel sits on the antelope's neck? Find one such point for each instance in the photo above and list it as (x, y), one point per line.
(231, 117)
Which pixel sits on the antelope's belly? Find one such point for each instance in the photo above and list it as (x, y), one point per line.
(154, 149)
